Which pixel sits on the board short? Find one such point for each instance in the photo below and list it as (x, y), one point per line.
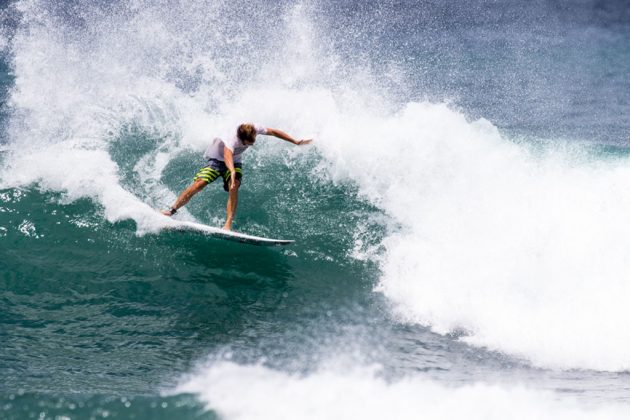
(217, 168)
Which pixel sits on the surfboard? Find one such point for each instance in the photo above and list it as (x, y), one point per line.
(226, 234)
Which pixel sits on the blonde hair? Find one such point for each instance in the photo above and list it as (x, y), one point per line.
(246, 132)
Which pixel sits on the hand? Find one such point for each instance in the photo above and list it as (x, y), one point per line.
(232, 180)
(303, 142)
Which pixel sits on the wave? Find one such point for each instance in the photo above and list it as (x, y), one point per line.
(524, 252)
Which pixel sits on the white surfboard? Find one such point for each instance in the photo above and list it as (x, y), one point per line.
(226, 234)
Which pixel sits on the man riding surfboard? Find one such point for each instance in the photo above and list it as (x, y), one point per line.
(223, 158)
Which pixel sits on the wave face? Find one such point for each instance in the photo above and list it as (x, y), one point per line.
(460, 219)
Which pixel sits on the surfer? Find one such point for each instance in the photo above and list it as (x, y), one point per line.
(223, 159)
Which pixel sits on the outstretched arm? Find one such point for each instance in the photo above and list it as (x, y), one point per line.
(284, 136)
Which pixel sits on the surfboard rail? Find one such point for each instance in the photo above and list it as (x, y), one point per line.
(227, 234)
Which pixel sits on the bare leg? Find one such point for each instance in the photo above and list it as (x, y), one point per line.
(231, 205)
(186, 195)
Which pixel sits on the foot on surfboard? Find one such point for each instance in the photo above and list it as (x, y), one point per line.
(169, 212)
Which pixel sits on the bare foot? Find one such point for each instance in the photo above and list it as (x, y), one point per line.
(227, 227)
(167, 212)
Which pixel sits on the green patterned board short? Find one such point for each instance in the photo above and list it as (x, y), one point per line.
(215, 169)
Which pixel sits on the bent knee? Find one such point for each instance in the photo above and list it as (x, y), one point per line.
(199, 184)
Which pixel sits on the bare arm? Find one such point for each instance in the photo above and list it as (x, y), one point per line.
(284, 136)
(228, 157)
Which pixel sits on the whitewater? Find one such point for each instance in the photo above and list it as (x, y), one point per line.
(454, 259)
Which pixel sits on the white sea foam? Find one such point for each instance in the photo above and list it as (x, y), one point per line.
(527, 254)
(256, 392)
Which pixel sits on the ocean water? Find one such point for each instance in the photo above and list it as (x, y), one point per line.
(461, 219)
